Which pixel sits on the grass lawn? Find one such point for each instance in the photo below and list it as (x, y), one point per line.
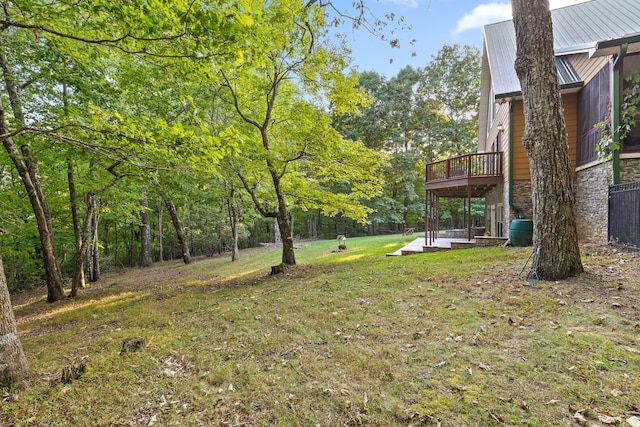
(452, 338)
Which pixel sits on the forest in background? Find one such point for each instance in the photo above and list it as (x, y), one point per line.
(136, 134)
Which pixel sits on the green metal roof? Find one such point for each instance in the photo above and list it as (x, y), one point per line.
(590, 27)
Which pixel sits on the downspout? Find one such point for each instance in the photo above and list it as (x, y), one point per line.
(615, 120)
(518, 209)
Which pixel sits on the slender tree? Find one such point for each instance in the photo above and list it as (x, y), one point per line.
(545, 140)
(175, 220)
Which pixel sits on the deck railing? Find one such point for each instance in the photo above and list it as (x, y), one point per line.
(466, 166)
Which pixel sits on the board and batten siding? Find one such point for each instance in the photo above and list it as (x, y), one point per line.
(587, 68)
(520, 159)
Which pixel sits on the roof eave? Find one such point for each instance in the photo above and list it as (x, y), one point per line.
(518, 94)
(612, 47)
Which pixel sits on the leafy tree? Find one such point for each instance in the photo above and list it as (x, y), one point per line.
(451, 85)
(42, 48)
(287, 140)
(545, 140)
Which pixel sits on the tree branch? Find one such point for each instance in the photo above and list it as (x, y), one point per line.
(236, 102)
(256, 202)
(6, 24)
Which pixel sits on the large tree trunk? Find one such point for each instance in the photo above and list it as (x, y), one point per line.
(13, 364)
(175, 220)
(27, 167)
(145, 235)
(545, 140)
(288, 254)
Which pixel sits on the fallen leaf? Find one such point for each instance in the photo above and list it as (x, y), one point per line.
(634, 421)
(606, 419)
(485, 367)
(496, 417)
(579, 418)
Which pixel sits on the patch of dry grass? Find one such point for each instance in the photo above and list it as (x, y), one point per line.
(351, 338)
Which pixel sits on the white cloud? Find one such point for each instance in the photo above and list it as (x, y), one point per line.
(482, 15)
(495, 12)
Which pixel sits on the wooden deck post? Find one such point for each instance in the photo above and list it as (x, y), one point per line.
(469, 212)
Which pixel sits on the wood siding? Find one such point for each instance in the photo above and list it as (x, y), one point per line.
(587, 67)
(520, 159)
(485, 145)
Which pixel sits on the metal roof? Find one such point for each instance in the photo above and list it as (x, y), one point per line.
(583, 27)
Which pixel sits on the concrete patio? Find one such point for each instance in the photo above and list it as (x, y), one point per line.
(445, 243)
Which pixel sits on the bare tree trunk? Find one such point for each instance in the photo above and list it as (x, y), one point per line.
(94, 271)
(277, 235)
(78, 276)
(232, 210)
(13, 364)
(256, 229)
(160, 243)
(175, 220)
(81, 251)
(27, 167)
(545, 140)
(288, 254)
(145, 235)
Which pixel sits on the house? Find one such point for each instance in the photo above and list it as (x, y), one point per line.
(597, 45)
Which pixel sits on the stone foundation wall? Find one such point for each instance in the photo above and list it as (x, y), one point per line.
(522, 199)
(629, 170)
(592, 191)
(494, 196)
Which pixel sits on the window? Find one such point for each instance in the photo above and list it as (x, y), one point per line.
(631, 64)
(593, 107)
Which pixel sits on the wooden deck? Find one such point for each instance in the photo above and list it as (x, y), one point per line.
(470, 175)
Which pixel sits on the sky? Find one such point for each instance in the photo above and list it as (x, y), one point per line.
(434, 23)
